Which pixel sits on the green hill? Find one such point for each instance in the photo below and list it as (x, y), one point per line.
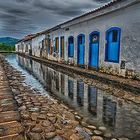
(8, 41)
(7, 44)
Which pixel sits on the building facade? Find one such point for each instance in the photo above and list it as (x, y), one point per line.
(25, 45)
(106, 39)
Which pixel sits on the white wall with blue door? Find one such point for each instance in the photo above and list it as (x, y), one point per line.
(112, 38)
(117, 27)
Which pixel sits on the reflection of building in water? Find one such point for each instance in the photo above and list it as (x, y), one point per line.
(36, 69)
(80, 93)
(62, 83)
(56, 80)
(92, 100)
(70, 88)
(44, 69)
(101, 108)
(21, 61)
(109, 111)
(49, 79)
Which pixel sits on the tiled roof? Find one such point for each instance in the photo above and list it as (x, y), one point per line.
(26, 38)
(86, 14)
(112, 3)
(95, 10)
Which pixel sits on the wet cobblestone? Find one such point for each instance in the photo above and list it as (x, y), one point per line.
(45, 118)
(10, 126)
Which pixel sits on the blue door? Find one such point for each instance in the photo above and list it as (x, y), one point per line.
(71, 46)
(94, 50)
(113, 45)
(81, 49)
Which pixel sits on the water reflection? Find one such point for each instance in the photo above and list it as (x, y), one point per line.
(62, 84)
(102, 109)
(109, 112)
(30, 79)
(80, 93)
(92, 100)
(70, 88)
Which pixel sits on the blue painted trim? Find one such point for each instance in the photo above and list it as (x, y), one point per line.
(68, 46)
(106, 45)
(83, 35)
(92, 33)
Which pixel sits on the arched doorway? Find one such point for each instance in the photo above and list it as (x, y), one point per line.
(94, 50)
(71, 46)
(81, 49)
(113, 45)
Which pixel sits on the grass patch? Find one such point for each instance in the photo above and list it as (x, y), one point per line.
(6, 48)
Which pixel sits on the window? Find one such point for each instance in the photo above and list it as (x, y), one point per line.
(71, 46)
(95, 38)
(71, 40)
(26, 48)
(43, 44)
(112, 50)
(67, 29)
(114, 35)
(80, 39)
(56, 45)
(47, 44)
(51, 46)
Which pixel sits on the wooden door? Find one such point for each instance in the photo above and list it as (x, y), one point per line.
(62, 47)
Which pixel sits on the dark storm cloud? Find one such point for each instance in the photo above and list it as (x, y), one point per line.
(21, 17)
(23, 1)
(17, 12)
(64, 8)
(101, 1)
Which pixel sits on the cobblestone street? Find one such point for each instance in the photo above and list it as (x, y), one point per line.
(40, 117)
(27, 114)
(10, 127)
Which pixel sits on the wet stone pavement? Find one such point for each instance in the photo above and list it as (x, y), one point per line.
(10, 127)
(43, 117)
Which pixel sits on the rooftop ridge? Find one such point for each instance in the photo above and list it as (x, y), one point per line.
(112, 2)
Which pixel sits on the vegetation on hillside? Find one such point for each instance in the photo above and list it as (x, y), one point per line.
(6, 48)
(8, 41)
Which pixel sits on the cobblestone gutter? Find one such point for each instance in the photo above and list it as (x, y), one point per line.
(42, 118)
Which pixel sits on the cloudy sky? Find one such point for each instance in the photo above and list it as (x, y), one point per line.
(21, 17)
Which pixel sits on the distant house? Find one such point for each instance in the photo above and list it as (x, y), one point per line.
(25, 45)
(105, 39)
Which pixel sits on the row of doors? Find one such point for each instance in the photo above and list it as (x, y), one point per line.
(93, 50)
(112, 47)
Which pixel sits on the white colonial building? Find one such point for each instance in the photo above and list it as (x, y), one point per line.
(106, 39)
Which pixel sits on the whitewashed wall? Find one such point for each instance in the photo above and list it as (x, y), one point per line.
(128, 19)
(37, 45)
